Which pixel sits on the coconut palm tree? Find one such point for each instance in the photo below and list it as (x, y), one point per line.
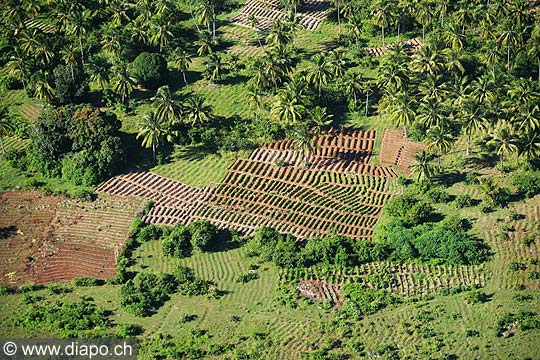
(205, 43)
(254, 98)
(77, 26)
(427, 60)
(402, 112)
(471, 120)
(123, 82)
(181, 60)
(154, 132)
(338, 63)
(286, 108)
(508, 37)
(504, 139)
(533, 46)
(422, 167)
(279, 34)
(6, 127)
(319, 118)
(352, 85)
(196, 110)
(215, 68)
(168, 109)
(98, 69)
(43, 90)
(355, 28)
(69, 56)
(382, 16)
(319, 71)
(439, 139)
(304, 141)
(423, 15)
(161, 33)
(430, 113)
(529, 145)
(18, 67)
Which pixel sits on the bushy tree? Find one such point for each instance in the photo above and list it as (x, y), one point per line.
(70, 83)
(203, 235)
(177, 243)
(150, 69)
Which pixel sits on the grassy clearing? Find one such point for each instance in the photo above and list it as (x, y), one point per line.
(196, 168)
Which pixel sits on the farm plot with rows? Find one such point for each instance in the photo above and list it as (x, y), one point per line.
(174, 202)
(398, 150)
(310, 14)
(409, 46)
(302, 202)
(50, 239)
(405, 279)
(342, 151)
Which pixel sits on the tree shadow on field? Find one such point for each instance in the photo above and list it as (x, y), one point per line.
(225, 242)
(449, 178)
(7, 231)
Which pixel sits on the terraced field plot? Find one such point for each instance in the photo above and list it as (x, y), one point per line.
(399, 151)
(50, 239)
(310, 14)
(409, 46)
(405, 279)
(334, 190)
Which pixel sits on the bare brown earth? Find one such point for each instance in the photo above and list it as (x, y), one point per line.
(398, 150)
(46, 239)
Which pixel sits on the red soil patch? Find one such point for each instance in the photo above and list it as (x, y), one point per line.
(50, 238)
(399, 151)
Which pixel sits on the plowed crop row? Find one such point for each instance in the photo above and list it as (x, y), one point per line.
(399, 151)
(409, 46)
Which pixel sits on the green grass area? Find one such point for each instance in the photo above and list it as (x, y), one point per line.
(197, 168)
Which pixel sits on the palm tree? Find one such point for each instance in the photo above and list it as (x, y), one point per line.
(43, 90)
(196, 110)
(430, 113)
(205, 43)
(112, 41)
(77, 27)
(214, 67)
(123, 82)
(427, 60)
(338, 63)
(69, 55)
(279, 34)
(422, 166)
(508, 37)
(337, 5)
(320, 118)
(119, 10)
(254, 99)
(440, 139)
(533, 46)
(161, 34)
(254, 24)
(355, 28)
(529, 145)
(168, 109)
(423, 16)
(471, 121)
(402, 112)
(286, 108)
(181, 60)
(503, 139)
(318, 72)
(17, 67)
(382, 17)
(6, 127)
(154, 132)
(98, 71)
(352, 84)
(304, 141)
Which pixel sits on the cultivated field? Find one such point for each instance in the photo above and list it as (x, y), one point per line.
(49, 238)
(409, 46)
(333, 189)
(398, 150)
(310, 14)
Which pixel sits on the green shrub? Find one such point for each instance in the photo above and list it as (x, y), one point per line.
(501, 196)
(463, 200)
(126, 331)
(85, 281)
(438, 195)
(188, 284)
(527, 183)
(150, 69)
(515, 266)
(410, 209)
(146, 293)
(475, 297)
(244, 278)
(177, 243)
(203, 234)
(150, 232)
(359, 300)
(471, 178)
